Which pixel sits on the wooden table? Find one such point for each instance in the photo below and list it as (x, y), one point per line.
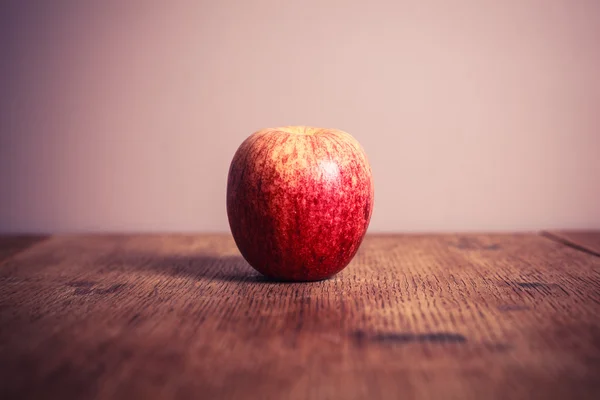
(413, 316)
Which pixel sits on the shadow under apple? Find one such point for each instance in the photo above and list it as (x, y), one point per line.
(200, 267)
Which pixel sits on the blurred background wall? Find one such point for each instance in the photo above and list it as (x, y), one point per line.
(124, 115)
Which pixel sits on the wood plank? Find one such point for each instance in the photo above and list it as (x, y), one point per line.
(13, 244)
(583, 240)
(415, 316)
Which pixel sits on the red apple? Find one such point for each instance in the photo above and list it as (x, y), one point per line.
(299, 201)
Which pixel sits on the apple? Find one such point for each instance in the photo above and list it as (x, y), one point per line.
(299, 201)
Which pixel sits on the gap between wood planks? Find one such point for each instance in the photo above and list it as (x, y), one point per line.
(11, 245)
(568, 243)
(20, 243)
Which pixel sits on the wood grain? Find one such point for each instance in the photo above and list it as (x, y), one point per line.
(586, 241)
(414, 316)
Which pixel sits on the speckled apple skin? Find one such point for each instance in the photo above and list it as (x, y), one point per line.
(299, 201)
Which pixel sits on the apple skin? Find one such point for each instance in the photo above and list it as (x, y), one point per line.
(299, 201)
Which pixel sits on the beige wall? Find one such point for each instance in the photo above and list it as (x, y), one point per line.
(124, 115)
